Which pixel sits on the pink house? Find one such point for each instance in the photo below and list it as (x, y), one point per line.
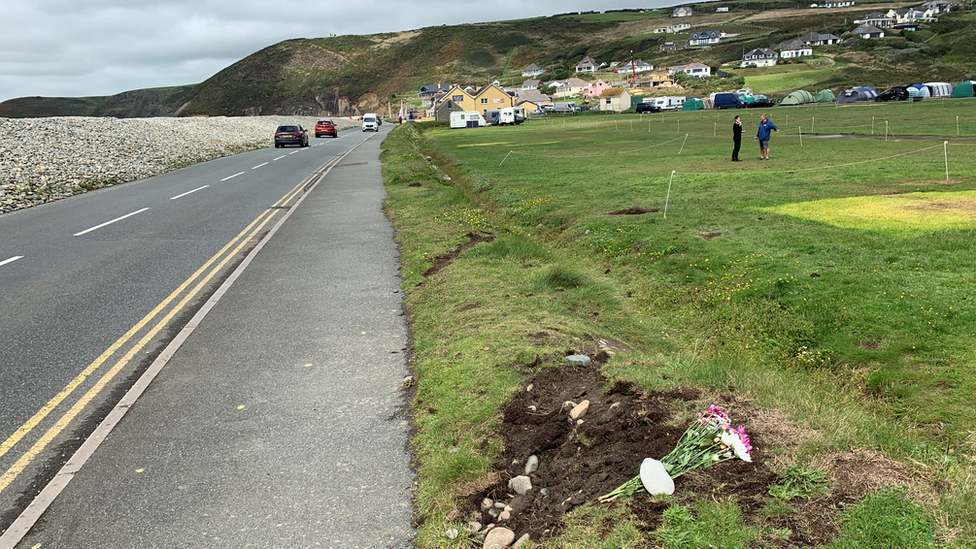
(595, 89)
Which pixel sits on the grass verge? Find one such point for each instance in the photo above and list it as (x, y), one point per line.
(856, 339)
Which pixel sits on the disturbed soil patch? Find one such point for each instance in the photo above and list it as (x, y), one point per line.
(444, 260)
(580, 462)
(634, 210)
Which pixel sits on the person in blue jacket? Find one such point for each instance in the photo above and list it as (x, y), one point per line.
(765, 126)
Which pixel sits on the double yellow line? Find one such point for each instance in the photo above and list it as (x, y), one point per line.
(201, 276)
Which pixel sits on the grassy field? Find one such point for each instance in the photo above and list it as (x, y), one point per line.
(830, 288)
(788, 81)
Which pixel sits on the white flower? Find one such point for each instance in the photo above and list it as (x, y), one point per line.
(732, 439)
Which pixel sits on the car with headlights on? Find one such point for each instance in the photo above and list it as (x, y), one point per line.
(290, 134)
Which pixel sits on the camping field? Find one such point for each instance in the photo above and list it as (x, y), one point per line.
(824, 298)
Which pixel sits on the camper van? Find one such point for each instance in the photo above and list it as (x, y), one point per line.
(669, 103)
(467, 119)
(506, 116)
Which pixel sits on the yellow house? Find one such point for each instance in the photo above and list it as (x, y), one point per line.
(492, 97)
(454, 100)
(615, 99)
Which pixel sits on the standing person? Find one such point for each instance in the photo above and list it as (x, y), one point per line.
(765, 126)
(736, 138)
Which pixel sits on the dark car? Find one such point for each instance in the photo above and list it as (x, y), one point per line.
(325, 127)
(728, 101)
(647, 107)
(896, 93)
(761, 103)
(290, 135)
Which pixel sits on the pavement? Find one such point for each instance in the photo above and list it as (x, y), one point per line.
(278, 421)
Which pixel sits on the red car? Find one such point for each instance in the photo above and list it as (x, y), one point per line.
(325, 127)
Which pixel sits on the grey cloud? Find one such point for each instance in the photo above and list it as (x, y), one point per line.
(99, 47)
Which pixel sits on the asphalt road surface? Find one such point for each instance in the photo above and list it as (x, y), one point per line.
(275, 423)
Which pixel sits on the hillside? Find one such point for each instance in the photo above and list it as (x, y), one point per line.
(349, 75)
(129, 104)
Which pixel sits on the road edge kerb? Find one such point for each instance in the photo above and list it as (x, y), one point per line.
(29, 517)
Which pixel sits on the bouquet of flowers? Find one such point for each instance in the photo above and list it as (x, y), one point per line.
(709, 440)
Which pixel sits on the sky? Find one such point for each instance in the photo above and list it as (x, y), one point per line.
(80, 48)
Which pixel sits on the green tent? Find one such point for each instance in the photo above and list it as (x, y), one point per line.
(748, 98)
(799, 97)
(963, 89)
(826, 96)
(693, 104)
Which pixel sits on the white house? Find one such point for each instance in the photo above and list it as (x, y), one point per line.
(721, 10)
(938, 6)
(531, 84)
(588, 64)
(683, 11)
(876, 19)
(697, 70)
(704, 38)
(869, 31)
(817, 39)
(759, 57)
(533, 70)
(792, 49)
(638, 66)
(677, 27)
(839, 4)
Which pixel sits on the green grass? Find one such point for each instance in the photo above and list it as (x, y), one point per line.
(860, 337)
(885, 519)
(788, 81)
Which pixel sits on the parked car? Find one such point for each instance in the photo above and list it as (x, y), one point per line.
(325, 127)
(896, 93)
(760, 102)
(647, 107)
(371, 122)
(290, 135)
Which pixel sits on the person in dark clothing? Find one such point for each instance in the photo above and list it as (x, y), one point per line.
(736, 138)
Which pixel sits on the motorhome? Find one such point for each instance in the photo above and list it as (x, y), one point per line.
(467, 119)
(566, 107)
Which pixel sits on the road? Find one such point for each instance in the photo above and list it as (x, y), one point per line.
(93, 287)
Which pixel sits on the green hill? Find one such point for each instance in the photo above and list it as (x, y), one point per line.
(347, 75)
(135, 103)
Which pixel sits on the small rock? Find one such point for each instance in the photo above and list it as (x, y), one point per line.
(614, 405)
(529, 388)
(568, 405)
(521, 484)
(452, 533)
(493, 512)
(544, 492)
(521, 540)
(474, 527)
(453, 450)
(579, 410)
(531, 465)
(487, 504)
(532, 409)
(505, 515)
(579, 422)
(579, 360)
(498, 538)
(500, 505)
(508, 508)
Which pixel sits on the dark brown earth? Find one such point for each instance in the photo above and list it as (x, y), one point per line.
(579, 463)
(446, 259)
(634, 210)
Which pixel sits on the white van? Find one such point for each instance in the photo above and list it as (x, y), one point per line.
(467, 119)
(371, 122)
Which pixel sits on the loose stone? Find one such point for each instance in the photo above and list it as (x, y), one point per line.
(531, 465)
(580, 409)
(498, 538)
(521, 484)
(580, 360)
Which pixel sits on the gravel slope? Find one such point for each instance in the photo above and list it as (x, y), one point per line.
(44, 159)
